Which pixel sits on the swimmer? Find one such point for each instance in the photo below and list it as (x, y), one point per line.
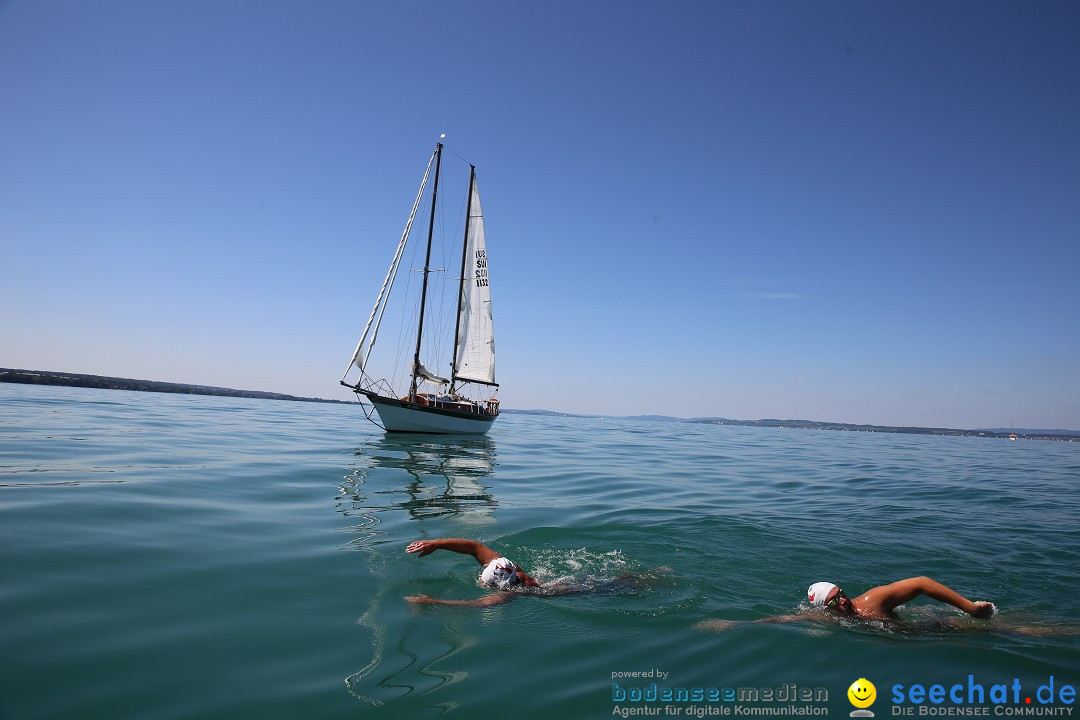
(502, 574)
(875, 604)
(879, 603)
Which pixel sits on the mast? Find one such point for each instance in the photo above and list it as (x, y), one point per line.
(427, 265)
(461, 285)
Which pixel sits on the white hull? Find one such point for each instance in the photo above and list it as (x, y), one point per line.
(398, 417)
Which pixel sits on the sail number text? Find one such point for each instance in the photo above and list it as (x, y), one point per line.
(481, 268)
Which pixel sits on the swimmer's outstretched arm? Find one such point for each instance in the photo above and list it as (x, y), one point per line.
(785, 618)
(481, 552)
(486, 601)
(890, 596)
(720, 625)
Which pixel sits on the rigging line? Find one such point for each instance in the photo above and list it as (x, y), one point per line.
(405, 316)
(451, 151)
(390, 276)
(410, 313)
(438, 332)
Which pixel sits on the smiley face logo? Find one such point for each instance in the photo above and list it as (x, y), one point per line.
(862, 693)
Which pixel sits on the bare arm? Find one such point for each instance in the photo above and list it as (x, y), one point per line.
(888, 597)
(785, 618)
(482, 553)
(486, 601)
(720, 625)
(526, 579)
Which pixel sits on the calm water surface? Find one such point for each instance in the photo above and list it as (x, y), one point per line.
(168, 556)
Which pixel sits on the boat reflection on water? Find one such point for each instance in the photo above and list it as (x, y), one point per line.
(426, 476)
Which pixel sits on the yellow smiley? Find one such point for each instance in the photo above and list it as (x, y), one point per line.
(862, 693)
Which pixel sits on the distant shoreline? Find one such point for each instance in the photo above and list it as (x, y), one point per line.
(1026, 434)
(45, 377)
(101, 382)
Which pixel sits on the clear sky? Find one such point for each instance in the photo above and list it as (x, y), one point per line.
(855, 211)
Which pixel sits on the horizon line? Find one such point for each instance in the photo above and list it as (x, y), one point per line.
(793, 423)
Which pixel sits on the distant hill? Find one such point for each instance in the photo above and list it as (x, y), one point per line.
(1028, 431)
(545, 413)
(820, 425)
(44, 377)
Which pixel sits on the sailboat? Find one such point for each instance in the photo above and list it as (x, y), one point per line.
(430, 403)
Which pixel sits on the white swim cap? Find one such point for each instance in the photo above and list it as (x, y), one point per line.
(499, 571)
(818, 592)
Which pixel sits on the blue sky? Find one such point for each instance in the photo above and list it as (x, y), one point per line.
(854, 211)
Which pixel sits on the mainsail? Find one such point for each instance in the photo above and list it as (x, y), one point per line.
(475, 358)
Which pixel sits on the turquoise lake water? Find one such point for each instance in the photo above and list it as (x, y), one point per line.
(171, 556)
